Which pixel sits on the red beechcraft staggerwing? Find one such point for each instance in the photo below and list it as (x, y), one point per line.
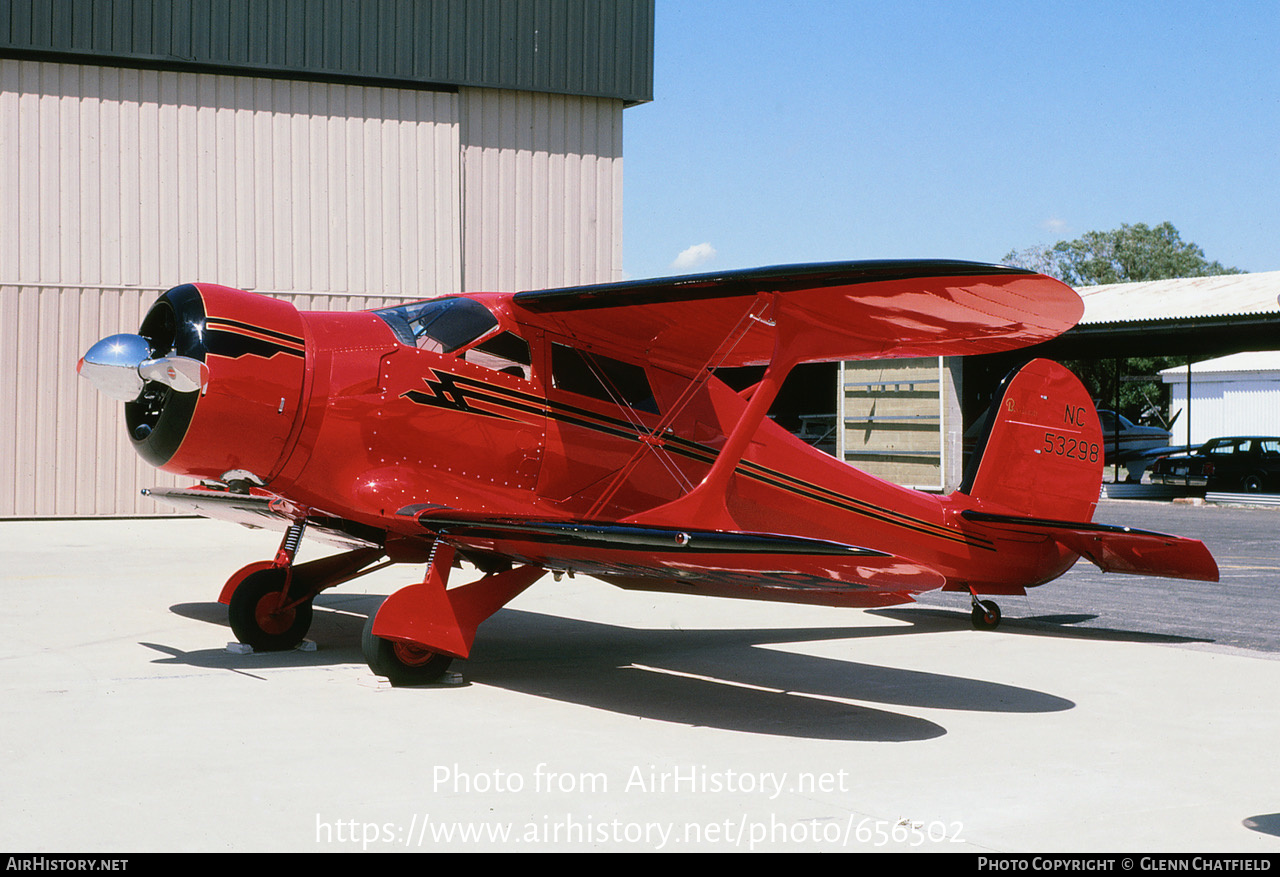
(584, 430)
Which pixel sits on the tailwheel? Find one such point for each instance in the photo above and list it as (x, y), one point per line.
(400, 662)
(264, 617)
(985, 615)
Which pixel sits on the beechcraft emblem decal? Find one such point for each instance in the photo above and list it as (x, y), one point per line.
(444, 393)
(468, 396)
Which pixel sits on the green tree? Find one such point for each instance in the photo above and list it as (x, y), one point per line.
(1127, 254)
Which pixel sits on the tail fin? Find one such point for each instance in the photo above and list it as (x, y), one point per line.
(1042, 454)
(1039, 471)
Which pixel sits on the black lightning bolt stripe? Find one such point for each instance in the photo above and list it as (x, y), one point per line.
(234, 339)
(233, 325)
(458, 391)
(446, 392)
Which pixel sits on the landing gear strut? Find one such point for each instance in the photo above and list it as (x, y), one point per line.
(985, 615)
(264, 616)
(419, 629)
(267, 610)
(269, 602)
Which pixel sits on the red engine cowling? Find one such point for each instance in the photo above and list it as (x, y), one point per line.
(244, 420)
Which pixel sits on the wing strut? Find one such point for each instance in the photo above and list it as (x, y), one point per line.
(705, 504)
(652, 439)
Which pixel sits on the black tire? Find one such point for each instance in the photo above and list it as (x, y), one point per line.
(986, 615)
(403, 664)
(254, 617)
(1252, 484)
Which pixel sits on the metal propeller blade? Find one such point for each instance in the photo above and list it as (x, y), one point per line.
(182, 373)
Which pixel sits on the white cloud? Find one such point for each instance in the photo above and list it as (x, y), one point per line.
(1055, 226)
(694, 256)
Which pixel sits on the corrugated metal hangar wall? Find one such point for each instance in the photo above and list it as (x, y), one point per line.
(339, 155)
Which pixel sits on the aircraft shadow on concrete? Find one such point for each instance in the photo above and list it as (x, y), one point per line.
(1061, 625)
(336, 626)
(1266, 823)
(728, 679)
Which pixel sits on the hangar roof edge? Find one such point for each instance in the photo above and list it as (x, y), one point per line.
(1248, 362)
(1225, 295)
(592, 48)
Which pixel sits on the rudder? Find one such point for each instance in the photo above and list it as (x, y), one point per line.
(1043, 451)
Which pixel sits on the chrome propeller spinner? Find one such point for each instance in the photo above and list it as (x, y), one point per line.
(121, 365)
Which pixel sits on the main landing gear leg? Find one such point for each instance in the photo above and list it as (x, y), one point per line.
(265, 612)
(269, 603)
(415, 634)
(985, 614)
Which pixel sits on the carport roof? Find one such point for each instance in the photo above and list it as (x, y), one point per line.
(1225, 295)
(1193, 316)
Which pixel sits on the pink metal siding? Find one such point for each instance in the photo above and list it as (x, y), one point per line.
(120, 183)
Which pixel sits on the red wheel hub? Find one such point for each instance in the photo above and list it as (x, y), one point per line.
(412, 654)
(270, 617)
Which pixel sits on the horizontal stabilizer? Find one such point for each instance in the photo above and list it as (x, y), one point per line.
(753, 565)
(1116, 549)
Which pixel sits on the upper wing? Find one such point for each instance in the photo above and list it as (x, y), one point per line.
(835, 311)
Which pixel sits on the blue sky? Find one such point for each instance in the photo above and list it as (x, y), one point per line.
(814, 131)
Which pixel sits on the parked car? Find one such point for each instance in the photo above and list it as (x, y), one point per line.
(1231, 464)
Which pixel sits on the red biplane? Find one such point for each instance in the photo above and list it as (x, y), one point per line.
(585, 430)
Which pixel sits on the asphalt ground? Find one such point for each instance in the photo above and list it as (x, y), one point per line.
(1242, 609)
(596, 719)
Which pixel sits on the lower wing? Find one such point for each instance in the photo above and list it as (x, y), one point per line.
(757, 566)
(751, 565)
(259, 509)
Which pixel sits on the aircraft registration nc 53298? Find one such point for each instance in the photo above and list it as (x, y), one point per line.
(584, 430)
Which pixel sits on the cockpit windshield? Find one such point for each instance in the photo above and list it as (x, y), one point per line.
(442, 324)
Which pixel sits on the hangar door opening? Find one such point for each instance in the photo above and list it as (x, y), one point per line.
(899, 420)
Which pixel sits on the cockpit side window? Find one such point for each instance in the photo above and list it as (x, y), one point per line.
(442, 325)
(601, 377)
(505, 352)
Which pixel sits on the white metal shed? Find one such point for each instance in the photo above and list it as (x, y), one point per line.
(1230, 395)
